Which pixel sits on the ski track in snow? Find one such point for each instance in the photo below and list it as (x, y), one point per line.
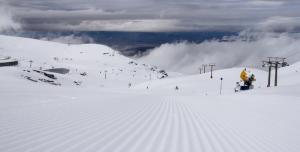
(159, 124)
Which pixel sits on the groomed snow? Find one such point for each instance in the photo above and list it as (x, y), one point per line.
(107, 115)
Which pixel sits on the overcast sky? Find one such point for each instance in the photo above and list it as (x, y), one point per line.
(154, 15)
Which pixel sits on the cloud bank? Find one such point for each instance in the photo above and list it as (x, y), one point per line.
(6, 20)
(244, 50)
(154, 15)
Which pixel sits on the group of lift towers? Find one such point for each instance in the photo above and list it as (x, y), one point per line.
(271, 62)
(204, 68)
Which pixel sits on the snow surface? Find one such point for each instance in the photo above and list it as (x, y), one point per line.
(150, 115)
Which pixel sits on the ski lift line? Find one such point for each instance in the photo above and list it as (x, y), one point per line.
(293, 55)
(252, 66)
(288, 56)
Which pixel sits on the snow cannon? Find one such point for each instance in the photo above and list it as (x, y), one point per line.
(246, 80)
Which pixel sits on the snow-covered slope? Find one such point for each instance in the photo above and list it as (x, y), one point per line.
(203, 84)
(98, 114)
(89, 64)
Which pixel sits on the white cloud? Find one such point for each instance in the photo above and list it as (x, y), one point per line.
(188, 57)
(131, 25)
(6, 20)
(279, 23)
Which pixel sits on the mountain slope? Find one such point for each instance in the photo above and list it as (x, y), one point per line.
(102, 65)
(107, 115)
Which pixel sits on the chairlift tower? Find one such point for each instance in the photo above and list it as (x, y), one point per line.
(274, 62)
(204, 66)
(211, 69)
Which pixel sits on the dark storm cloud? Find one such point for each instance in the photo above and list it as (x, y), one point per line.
(154, 15)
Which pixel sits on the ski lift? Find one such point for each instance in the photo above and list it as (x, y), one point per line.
(284, 64)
